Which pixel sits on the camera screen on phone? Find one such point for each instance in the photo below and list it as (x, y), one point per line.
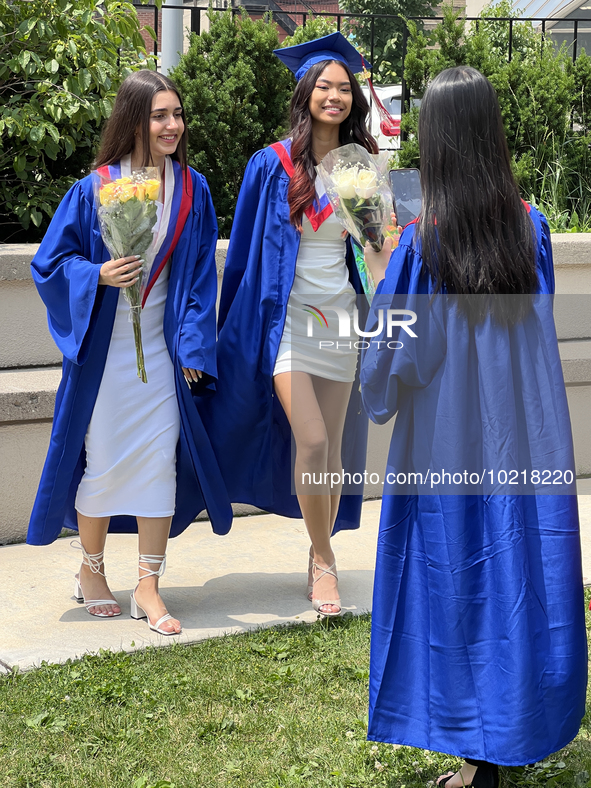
(406, 188)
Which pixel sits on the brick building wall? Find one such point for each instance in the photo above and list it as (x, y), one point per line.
(146, 17)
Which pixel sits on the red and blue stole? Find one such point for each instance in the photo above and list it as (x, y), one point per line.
(321, 208)
(177, 198)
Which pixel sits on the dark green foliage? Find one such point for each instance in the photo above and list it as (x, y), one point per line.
(236, 95)
(61, 64)
(388, 33)
(540, 92)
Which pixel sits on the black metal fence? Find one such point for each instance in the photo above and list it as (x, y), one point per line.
(557, 30)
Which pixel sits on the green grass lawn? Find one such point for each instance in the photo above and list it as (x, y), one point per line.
(275, 708)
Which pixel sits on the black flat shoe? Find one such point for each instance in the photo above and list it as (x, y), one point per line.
(486, 775)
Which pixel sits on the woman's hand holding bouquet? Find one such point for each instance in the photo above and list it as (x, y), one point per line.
(123, 272)
(377, 262)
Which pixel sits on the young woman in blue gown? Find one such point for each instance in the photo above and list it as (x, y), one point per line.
(287, 248)
(125, 455)
(478, 635)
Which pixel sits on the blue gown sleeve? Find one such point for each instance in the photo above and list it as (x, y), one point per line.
(244, 227)
(66, 276)
(545, 259)
(396, 361)
(197, 336)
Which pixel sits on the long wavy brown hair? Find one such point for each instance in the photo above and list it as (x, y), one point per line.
(353, 129)
(133, 105)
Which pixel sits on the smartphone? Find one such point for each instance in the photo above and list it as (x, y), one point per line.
(406, 189)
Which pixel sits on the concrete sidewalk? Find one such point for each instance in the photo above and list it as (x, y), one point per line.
(255, 576)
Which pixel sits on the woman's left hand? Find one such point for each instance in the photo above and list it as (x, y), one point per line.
(192, 375)
(377, 262)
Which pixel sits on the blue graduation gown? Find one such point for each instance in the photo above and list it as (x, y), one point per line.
(478, 634)
(81, 314)
(252, 436)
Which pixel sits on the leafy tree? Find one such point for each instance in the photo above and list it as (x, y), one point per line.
(315, 27)
(61, 63)
(539, 90)
(236, 94)
(387, 33)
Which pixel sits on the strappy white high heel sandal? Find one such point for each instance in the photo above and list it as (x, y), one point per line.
(318, 603)
(138, 612)
(94, 562)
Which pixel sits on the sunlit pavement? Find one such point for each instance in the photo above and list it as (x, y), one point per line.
(255, 576)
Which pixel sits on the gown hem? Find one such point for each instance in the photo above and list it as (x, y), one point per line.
(474, 755)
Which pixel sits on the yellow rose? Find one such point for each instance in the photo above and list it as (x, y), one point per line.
(344, 183)
(152, 188)
(107, 193)
(140, 191)
(367, 184)
(123, 181)
(126, 191)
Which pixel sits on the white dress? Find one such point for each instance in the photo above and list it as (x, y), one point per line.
(321, 282)
(133, 433)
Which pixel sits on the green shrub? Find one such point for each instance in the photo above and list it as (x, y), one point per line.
(62, 63)
(582, 92)
(540, 92)
(236, 94)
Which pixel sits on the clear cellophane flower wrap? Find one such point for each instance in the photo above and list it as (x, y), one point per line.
(128, 213)
(356, 183)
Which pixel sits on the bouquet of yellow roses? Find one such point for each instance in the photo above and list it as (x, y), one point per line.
(128, 214)
(356, 183)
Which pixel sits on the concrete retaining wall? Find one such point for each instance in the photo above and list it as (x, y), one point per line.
(30, 373)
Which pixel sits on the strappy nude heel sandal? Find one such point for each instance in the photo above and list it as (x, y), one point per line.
(319, 603)
(94, 562)
(138, 612)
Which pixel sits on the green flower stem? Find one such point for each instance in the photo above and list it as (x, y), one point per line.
(133, 296)
(139, 350)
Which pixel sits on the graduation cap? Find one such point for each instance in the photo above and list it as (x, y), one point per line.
(335, 46)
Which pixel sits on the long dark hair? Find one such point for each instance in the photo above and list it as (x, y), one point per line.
(133, 105)
(476, 235)
(353, 129)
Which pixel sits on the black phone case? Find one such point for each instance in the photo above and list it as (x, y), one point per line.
(407, 194)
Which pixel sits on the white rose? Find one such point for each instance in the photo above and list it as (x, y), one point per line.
(344, 183)
(367, 184)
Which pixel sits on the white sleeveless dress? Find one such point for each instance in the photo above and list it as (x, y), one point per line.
(133, 433)
(322, 282)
